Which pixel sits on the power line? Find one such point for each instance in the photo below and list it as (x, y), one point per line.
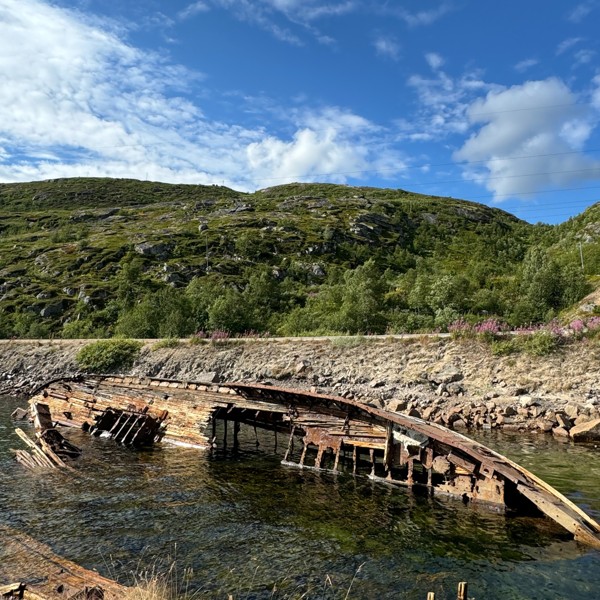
(540, 107)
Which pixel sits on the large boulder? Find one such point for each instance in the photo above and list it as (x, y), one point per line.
(449, 374)
(52, 310)
(586, 432)
(155, 250)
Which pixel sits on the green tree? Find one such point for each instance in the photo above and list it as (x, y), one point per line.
(162, 314)
(229, 312)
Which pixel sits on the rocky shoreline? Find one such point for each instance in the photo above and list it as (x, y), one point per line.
(459, 384)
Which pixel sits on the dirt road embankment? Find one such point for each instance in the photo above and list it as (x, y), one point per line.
(456, 383)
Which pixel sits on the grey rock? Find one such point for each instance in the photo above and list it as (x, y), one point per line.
(155, 250)
(52, 310)
(563, 421)
(454, 388)
(208, 377)
(526, 401)
(560, 432)
(448, 375)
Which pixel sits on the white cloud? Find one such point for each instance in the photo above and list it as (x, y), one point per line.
(333, 142)
(596, 93)
(387, 46)
(530, 136)
(444, 101)
(422, 17)
(78, 100)
(526, 64)
(299, 16)
(584, 57)
(193, 9)
(581, 11)
(311, 9)
(566, 44)
(435, 61)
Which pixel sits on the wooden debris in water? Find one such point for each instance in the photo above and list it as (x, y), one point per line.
(129, 427)
(19, 414)
(12, 590)
(51, 449)
(461, 594)
(37, 455)
(331, 433)
(24, 559)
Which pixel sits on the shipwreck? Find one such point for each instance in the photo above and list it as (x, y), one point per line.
(319, 431)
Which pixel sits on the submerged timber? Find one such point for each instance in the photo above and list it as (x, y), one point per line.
(321, 431)
(39, 574)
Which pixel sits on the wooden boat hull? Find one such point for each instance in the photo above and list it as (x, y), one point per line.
(401, 449)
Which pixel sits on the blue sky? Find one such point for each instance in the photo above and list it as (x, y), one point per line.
(497, 103)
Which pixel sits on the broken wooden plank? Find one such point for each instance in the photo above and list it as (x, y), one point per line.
(42, 418)
(23, 558)
(37, 452)
(12, 590)
(19, 414)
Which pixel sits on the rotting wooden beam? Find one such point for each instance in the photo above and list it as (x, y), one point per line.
(24, 559)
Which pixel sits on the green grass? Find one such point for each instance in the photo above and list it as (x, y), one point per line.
(167, 343)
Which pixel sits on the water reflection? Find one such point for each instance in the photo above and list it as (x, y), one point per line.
(245, 524)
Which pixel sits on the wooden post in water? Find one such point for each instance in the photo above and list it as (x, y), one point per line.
(462, 590)
(290, 444)
(236, 430)
(337, 457)
(431, 596)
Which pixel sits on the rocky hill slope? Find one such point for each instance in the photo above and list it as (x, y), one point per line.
(95, 257)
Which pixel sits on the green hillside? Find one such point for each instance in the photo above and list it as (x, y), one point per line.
(98, 257)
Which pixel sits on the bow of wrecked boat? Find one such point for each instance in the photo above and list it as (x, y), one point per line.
(321, 432)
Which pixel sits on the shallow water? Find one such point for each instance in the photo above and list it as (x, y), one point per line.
(245, 525)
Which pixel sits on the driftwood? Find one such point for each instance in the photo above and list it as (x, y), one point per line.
(24, 559)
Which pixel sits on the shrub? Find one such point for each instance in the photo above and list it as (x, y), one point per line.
(105, 356)
(349, 341)
(503, 347)
(170, 342)
(460, 329)
(541, 343)
(592, 327)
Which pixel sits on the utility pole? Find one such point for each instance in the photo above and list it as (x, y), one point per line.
(203, 228)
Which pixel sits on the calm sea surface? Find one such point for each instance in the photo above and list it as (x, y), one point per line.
(246, 525)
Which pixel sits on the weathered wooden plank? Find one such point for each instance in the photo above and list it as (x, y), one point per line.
(24, 559)
(38, 454)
